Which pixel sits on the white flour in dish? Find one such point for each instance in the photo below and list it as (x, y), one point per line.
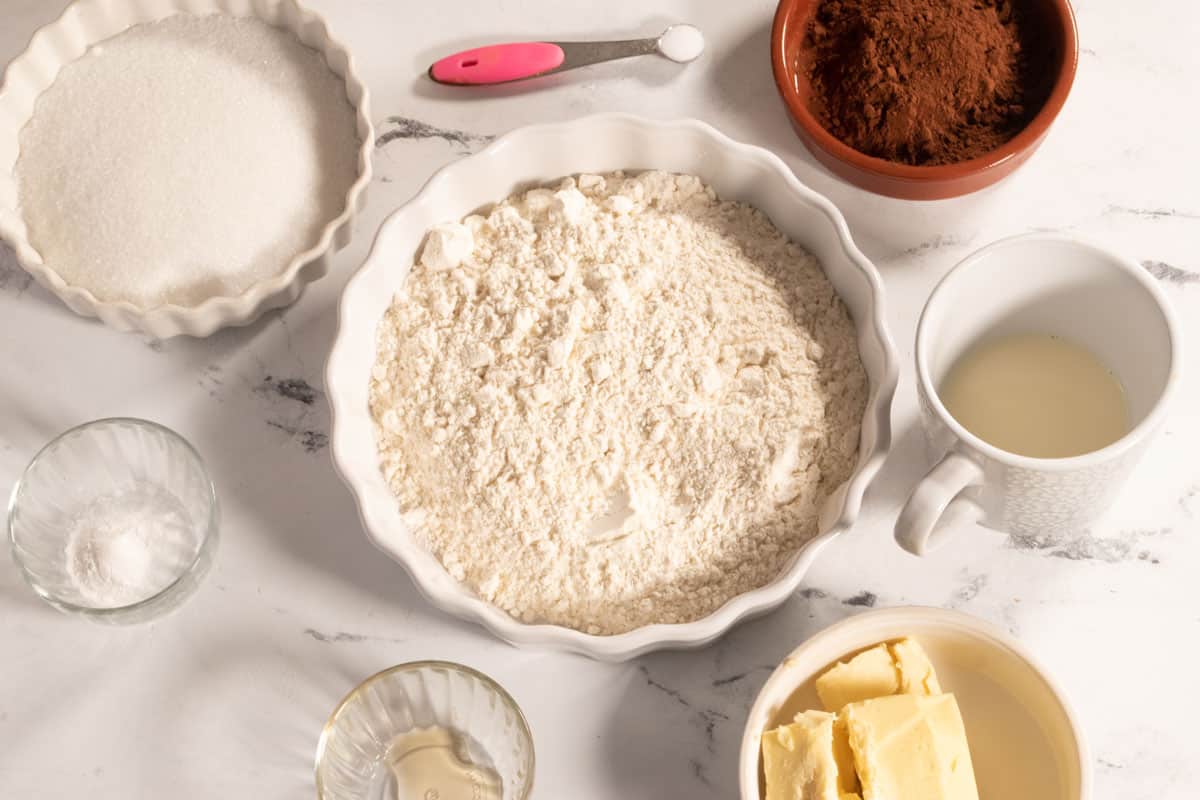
(615, 402)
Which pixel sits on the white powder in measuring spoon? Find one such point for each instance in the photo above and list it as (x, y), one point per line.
(184, 159)
(681, 43)
(128, 546)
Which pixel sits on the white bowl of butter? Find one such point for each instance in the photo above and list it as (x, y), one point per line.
(1024, 740)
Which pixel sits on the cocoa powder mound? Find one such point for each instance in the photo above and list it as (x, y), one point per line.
(925, 82)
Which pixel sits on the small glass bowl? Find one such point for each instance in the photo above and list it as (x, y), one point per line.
(133, 461)
(355, 745)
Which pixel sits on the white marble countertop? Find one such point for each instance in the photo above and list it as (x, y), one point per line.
(226, 697)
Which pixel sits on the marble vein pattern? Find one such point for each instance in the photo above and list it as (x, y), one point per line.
(1165, 272)
(406, 128)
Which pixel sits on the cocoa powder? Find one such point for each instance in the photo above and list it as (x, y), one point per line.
(925, 82)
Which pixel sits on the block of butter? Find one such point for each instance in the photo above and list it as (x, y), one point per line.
(890, 668)
(843, 756)
(801, 761)
(911, 746)
(894, 735)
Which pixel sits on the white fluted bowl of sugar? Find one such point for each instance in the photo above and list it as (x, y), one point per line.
(533, 156)
(181, 166)
(115, 520)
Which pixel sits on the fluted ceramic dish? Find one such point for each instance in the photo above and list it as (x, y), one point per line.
(539, 153)
(100, 459)
(87, 22)
(488, 726)
(1025, 740)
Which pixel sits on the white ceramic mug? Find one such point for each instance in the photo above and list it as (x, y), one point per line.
(1039, 283)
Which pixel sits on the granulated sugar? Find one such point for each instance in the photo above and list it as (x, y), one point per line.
(616, 402)
(184, 159)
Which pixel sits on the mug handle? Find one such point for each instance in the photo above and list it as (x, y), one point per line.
(921, 527)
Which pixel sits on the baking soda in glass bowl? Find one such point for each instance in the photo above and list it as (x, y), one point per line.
(125, 547)
(115, 520)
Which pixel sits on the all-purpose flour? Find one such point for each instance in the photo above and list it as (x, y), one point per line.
(616, 402)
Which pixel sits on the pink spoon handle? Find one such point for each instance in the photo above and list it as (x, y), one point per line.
(498, 63)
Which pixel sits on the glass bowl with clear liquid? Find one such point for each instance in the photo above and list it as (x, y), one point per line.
(428, 730)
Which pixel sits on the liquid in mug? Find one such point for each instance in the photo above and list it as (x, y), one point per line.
(431, 764)
(1036, 395)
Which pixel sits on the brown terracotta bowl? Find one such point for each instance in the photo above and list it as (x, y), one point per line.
(904, 180)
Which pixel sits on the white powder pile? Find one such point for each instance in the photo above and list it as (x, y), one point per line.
(681, 43)
(616, 402)
(126, 547)
(184, 159)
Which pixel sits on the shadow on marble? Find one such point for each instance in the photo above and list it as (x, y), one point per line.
(743, 82)
(28, 428)
(883, 227)
(78, 663)
(268, 703)
(678, 729)
(16, 595)
(263, 431)
(15, 281)
(906, 463)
